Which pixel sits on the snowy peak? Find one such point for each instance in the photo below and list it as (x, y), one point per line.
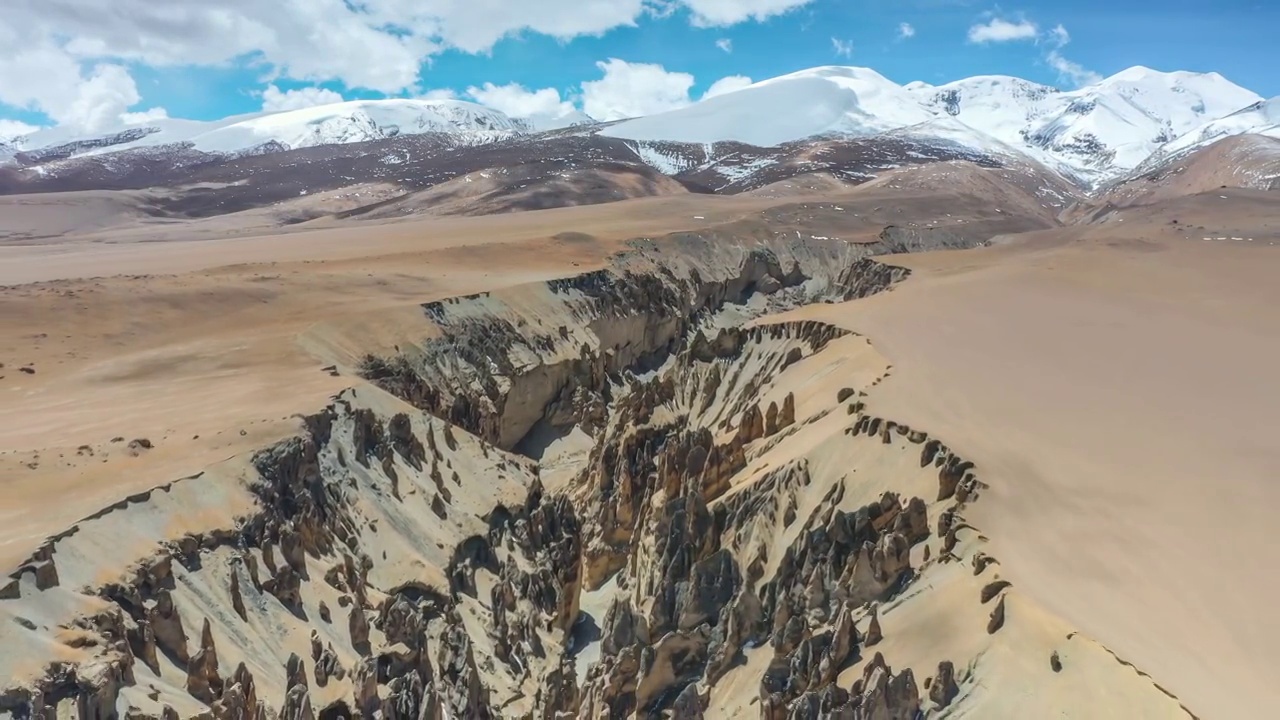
(981, 91)
(357, 121)
(1092, 134)
(1111, 127)
(1176, 100)
(998, 105)
(1096, 132)
(338, 123)
(821, 101)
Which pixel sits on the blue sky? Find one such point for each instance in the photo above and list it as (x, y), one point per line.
(124, 56)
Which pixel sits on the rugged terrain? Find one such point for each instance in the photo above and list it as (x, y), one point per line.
(924, 445)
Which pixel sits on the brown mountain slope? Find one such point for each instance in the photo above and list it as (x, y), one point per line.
(1249, 162)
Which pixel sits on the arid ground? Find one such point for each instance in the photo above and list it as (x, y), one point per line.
(1112, 381)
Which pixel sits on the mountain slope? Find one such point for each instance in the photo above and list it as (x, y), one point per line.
(1246, 161)
(1260, 118)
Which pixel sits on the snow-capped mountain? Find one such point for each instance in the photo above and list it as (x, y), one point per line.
(1000, 106)
(1092, 134)
(1260, 118)
(1109, 128)
(339, 123)
(848, 101)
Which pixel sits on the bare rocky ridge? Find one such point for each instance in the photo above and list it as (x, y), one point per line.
(626, 493)
(434, 173)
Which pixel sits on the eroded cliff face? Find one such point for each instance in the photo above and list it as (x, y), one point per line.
(613, 495)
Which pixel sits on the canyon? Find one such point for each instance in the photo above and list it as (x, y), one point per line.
(927, 446)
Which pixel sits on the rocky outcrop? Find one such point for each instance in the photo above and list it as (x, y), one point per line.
(943, 687)
(166, 628)
(996, 621)
(461, 691)
(297, 698)
(878, 694)
(874, 633)
(203, 681)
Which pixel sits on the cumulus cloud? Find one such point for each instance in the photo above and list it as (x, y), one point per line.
(726, 85)
(998, 30)
(38, 75)
(843, 48)
(517, 101)
(626, 90)
(633, 89)
(731, 12)
(725, 44)
(276, 100)
(906, 31)
(79, 51)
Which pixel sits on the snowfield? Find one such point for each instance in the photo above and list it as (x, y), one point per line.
(855, 102)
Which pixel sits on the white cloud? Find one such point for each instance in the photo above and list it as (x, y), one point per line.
(145, 116)
(381, 45)
(439, 94)
(906, 31)
(38, 75)
(843, 48)
(10, 129)
(726, 85)
(276, 100)
(634, 89)
(1068, 70)
(519, 102)
(725, 44)
(1001, 30)
(731, 12)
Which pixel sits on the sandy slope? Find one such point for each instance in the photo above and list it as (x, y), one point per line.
(190, 341)
(205, 365)
(1120, 393)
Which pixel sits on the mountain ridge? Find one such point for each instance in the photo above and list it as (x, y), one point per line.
(1093, 136)
(331, 124)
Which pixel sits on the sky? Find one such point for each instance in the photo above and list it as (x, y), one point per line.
(93, 65)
